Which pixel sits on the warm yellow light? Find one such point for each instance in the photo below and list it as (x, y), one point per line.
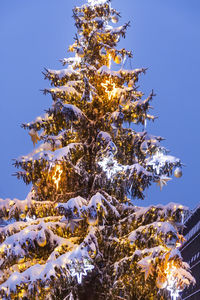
(57, 175)
(2, 249)
(110, 88)
(109, 60)
(170, 269)
(178, 244)
(11, 202)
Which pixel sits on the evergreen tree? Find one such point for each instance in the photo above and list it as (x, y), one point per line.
(77, 235)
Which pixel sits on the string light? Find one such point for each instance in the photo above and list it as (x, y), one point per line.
(57, 175)
(172, 286)
(110, 88)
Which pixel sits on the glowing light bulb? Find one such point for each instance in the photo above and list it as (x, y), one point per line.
(171, 278)
(57, 175)
(110, 88)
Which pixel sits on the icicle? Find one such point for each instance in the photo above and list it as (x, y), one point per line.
(145, 125)
(123, 62)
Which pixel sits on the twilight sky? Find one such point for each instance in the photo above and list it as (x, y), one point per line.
(164, 36)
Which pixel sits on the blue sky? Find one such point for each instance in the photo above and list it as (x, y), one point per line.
(164, 36)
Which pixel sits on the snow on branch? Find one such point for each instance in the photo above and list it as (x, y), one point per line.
(72, 112)
(164, 230)
(104, 137)
(50, 272)
(80, 207)
(163, 211)
(59, 74)
(159, 213)
(53, 156)
(63, 91)
(118, 30)
(104, 70)
(74, 61)
(98, 2)
(12, 228)
(139, 170)
(11, 209)
(27, 242)
(73, 204)
(36, 124)
(97, 201)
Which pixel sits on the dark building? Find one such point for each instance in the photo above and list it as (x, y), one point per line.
(191, 253)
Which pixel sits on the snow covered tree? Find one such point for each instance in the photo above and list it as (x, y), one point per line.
(78, 234)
